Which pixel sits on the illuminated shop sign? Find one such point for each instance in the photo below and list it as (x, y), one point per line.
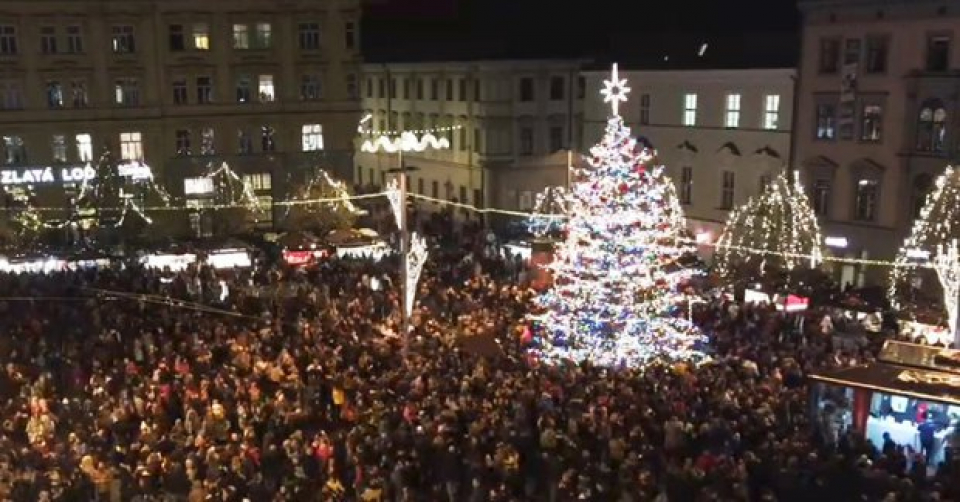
(47, 175)
(135, 171)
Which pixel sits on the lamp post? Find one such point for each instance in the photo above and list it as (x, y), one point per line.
(405, 142)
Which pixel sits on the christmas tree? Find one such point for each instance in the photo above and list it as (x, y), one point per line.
(617, 274)
(322, 204)
(772, 235)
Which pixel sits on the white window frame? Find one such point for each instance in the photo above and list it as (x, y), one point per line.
(123, 39)
(732, 116)
(308, 36)
(266, 88)
(200, 35)
(131, 145)
(311, 137)
(690, 109)
(84, 144)
(208, 141)
(258, 181)
(241, 36)
(202, 185)
(58, 147)
(771, 112)
(9, 44)
(74, 39)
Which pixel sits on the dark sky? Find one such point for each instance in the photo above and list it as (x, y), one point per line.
(414, 29)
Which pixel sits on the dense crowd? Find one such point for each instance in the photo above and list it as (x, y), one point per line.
(136, 385)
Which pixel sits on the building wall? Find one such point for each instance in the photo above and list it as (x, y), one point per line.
(32, 111)
(749, 150)
(511, 126)
(837, 148)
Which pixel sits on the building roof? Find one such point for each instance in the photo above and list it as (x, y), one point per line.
(688, 51)
(917, 383)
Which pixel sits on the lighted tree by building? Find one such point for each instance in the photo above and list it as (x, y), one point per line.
(772, 235)
(233, 205)
(549, 212)
(322, 204)
(617, 273)
(912, 282)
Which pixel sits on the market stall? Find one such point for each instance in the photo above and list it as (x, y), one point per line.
(361, 243)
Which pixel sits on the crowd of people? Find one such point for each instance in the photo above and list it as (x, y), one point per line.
(139, 385)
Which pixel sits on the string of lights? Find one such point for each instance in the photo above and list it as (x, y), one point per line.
(400, 132)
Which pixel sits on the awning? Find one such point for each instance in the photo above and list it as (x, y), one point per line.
(916, 383)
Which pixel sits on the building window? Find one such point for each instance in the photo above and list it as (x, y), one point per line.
(131, 146)
(244, 142)
(11, 95)
(8, 40)
(48, 39)
(350, 35)
(183, 142)
(267, 139)
(826, 121)
(14, 150)
(58, 145)
(369, 87)
(689, 109)
(265, 88)
(764, 183)
(462, 91)
(198, 186)
(732, 119)
(310, 87)
(581, 87)
(526, 89)
(645, 109)
(449, 93)
(126, 92)
(771, 111)
(392, 84)
(556, 138)
(462, 139)
(686, 185)
(851, 51)
(381, 88)
(829, 55)
(877, 49)
(419, 88)
(243, 89)
(352, 87)
(122, 39)
(867, 192)
(84, 143)
(208, 143)
(871, 122)
(476, 90)
(204, 90)
(309, 36)
(177, 38)
(180, 91)
(526, 141)
(264, 36)
(241, 37)
(78, 93)
(938, 53)
(258, 182)
(434, 89)
(477, 139)
(727, 189)
(932, 126)
(556, 88)
(435, 189)
(54, 94)
(74, 40)
(406, 88)
(922, 183)
(311, 137)
(821, 197)
(201, 37)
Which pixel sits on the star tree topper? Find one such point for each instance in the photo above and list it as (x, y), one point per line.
(615, 90)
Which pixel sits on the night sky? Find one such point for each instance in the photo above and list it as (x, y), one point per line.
(742, 33)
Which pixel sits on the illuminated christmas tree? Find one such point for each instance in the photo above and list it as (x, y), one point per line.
(617, 274)
(771, 235)
(549, 212)
(913, 281)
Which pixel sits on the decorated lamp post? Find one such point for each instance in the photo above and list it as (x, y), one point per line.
(412, 257)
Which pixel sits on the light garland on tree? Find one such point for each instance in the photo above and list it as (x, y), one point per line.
(617, 275)
(779, 220)
(393, 195)
(416, 258)
(932, 228)
(947, 266)
(551, 202)
(224, 175)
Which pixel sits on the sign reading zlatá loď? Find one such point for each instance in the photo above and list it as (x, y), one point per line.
(46, 175)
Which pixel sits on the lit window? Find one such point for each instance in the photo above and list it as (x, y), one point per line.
(771, 111)
(16, 151)
(257, 181)
(131, 146)
(312, 137)
(264, 36)
(689, 109)
(122, 40)
(826, 121)
(267, 139)
(871, 122)
(54, 94)
(207, 141)
(84, 147)
(867, 192)
(183, 142)
(126, 92)
(932, 127)
(198, 186)
(241, 37)
(201, 36)
(59, 147)
(733, 111)
(265, 88)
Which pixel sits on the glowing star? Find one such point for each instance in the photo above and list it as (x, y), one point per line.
(615, 90)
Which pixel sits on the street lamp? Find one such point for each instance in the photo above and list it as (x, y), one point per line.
(405, 142)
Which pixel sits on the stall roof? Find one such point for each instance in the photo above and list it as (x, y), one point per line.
(934, 386)
(920, 356)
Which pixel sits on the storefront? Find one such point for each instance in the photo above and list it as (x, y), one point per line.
(912, 395)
